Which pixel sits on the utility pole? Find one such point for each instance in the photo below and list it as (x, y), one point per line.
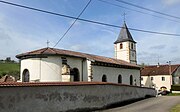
(169, 62)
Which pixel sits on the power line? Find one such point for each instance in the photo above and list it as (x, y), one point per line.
(165, 14)
(86, 20)
(72, 23)
(136, 10)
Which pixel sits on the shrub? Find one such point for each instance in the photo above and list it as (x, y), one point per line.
(175, 87)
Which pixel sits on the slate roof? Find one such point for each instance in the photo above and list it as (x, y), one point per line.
(124, 35)
(53, 51)
(158, 70)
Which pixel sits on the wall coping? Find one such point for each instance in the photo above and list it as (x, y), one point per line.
(38, 84)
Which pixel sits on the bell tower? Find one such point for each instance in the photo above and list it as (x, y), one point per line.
(125, 46)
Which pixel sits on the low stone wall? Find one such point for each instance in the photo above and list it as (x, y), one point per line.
(59, 97)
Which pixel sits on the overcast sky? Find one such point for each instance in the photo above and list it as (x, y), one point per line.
(23, 30)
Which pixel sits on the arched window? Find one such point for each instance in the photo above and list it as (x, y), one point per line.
(104, 78)
(25, 75)
(131, 80)
(121, 46)
(119, 79)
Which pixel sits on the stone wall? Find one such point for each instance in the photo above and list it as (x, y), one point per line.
(59, 97)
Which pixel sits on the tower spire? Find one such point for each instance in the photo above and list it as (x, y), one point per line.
(124, 35)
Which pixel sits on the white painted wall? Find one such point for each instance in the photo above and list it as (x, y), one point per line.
(50, 69)
(123, 53)
(126, 52)
(157, 81)
(113, 73)
(42, 69)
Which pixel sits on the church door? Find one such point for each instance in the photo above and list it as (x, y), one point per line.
(25, 75)
(75, 73)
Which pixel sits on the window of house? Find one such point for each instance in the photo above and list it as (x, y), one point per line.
(163, 78)
(121, 46)
(141, 78)
(104, 78)
(152, 78)
(119, 79)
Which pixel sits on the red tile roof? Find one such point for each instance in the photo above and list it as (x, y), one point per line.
(54, 51)
(38, 84)
(51, 83)
(158, 70)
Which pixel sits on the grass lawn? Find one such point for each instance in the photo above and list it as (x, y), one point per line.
(173, 94)
(176, 108)
(9, 68)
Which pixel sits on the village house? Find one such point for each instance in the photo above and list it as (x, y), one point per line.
(160, 76)
(58, 65)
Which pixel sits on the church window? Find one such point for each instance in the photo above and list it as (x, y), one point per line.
(131, 80)
(121, 46)
(132, 47)
(163, 78)
(64, 60)
(152, 78)
(104, 78)
(119, 79)
(134, 81)
(132, 54)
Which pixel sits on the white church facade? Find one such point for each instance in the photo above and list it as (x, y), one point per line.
(58, 65)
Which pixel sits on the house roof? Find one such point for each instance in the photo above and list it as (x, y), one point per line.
(124, 35)
(158, 70)
(53, 51)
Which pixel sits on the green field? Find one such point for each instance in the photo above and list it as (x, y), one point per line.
(176, 108)
(10, 69)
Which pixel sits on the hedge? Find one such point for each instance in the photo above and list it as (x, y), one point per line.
(175, 87)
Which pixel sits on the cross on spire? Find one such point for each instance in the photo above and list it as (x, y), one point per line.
(47, 43)
(124, 16)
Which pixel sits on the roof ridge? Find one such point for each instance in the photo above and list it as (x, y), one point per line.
(161, 65)
(54, 51)
(48, 48)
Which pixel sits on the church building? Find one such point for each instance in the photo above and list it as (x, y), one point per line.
(58, 65)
